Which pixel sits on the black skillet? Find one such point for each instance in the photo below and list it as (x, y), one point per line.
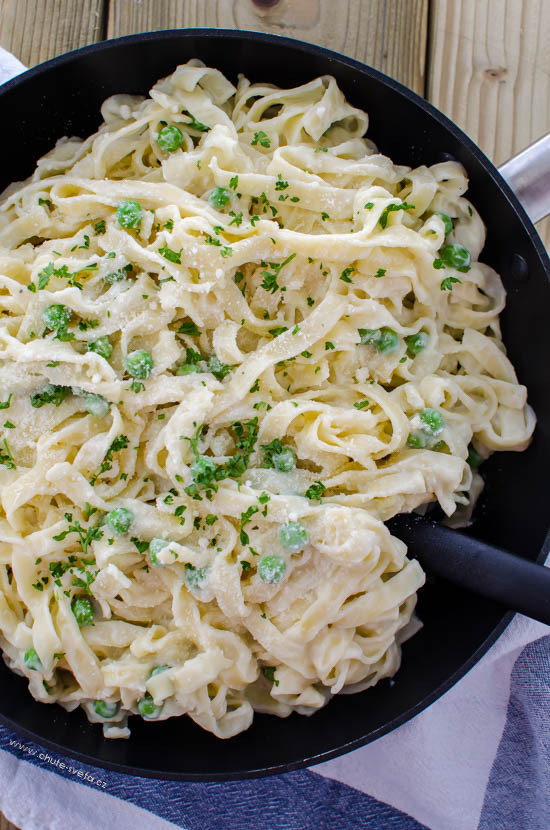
(63, 97)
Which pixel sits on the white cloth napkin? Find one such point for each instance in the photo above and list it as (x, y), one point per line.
(9, 66)
(477, 757)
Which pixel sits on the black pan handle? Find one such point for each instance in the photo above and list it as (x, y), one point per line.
(517, 583)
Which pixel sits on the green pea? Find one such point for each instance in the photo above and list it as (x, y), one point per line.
(457, 257)
(219, 197)
(418, 440)
(384, 339)
(155, 546)
(285, 461)
(389, 340)
(105, 709)
(129, 214)
(293, 536)
(447, 221)
(369, 337)
(120, 519)
(139, 364)
(433, 421)
(474, 459)
(194, 577)
(56, 317)
(416, 342)
(170, 138)
(96, 405)
(271, 569)
(32, 660)
(147, 709)
(102, 346)
(158, 670)
(83, 611)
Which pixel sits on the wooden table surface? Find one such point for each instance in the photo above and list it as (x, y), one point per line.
(485, 63)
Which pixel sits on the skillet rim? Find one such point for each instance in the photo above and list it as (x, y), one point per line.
(490, 170)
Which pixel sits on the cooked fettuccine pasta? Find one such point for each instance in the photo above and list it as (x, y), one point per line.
(235, 339)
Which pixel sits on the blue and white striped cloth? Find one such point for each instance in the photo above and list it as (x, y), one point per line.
(479, 757)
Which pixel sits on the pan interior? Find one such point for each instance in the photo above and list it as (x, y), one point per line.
(63, 98)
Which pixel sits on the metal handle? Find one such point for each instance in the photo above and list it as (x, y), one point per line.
(528, 174)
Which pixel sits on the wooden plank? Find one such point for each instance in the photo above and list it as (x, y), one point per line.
(388, 34)
(5, 824)
(38, 31)
(489, 70)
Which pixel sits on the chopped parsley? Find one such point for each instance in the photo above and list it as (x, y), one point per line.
(85, 535)
(170, 255)
(346, 274)
(50, 394)
(100, 227)
(120, 443)
(84, 325)
(383, 220)
(206, 473)
(196, 125)
(269, 673)
(447, 283)
(245, 519)
(237, 218)
(315, 491)
(218, 369)
(269, 282)
(189, 328)
(280, 184)
(261, 138)
(278, 330)
(6, 458)
(62, 273)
